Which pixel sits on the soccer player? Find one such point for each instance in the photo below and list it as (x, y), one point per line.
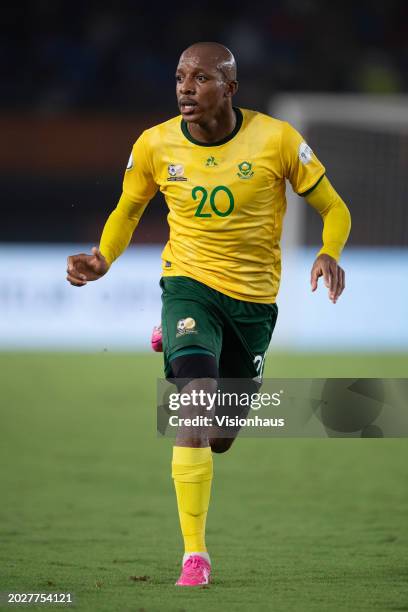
(222, 171)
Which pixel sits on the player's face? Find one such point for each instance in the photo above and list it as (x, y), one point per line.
(201, 89)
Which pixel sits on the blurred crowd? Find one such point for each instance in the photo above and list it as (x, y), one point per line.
(76, 56)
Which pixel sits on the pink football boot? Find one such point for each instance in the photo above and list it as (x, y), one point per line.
(196, 571)
(156, 340)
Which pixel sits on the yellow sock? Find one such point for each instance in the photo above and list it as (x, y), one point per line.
(192, 470)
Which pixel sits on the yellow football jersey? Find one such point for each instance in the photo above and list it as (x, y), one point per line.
(226, 200)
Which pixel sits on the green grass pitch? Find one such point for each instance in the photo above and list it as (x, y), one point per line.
(87, 502)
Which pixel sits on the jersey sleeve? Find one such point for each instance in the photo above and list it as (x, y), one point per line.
(336, 217)
(138, 182)
(300, 165)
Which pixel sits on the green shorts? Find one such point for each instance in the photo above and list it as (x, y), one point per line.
(236, 332)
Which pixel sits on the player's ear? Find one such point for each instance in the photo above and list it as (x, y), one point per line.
(231, 89)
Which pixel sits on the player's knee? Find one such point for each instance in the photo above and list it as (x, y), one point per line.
(196, 365)
(221, 445)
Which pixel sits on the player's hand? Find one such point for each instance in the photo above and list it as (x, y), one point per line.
(333, 275)
(83, 268)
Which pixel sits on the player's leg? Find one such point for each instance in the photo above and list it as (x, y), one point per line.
(222, 437)
(194, 373)
(192, 466)
(248, 329)
(190, 345)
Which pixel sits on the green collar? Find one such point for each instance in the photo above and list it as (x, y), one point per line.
(240, 118)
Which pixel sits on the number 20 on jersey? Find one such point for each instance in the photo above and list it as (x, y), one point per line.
(205, 210)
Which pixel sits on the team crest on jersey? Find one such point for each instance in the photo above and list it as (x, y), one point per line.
(186, 326)
(176, 172)
(245, 170)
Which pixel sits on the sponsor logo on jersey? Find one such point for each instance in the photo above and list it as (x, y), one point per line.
(176, 172)
(245, 170)
(211, 162)
(130, 162)
(305, 153)
(186, 326)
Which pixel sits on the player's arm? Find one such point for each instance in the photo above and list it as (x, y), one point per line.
(119, 227)
(138, 189)
(115, 238)
(336, 229)
(307, 176)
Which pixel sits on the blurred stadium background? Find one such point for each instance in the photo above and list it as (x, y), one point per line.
(80, 82)
(85, 81)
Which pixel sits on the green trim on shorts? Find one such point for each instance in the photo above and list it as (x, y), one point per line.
(190, 351)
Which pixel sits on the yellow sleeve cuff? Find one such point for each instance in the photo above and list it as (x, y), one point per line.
(334, 250)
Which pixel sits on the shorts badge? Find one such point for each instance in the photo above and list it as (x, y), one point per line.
(186, 326)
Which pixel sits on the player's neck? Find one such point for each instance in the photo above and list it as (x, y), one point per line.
(216, 129)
